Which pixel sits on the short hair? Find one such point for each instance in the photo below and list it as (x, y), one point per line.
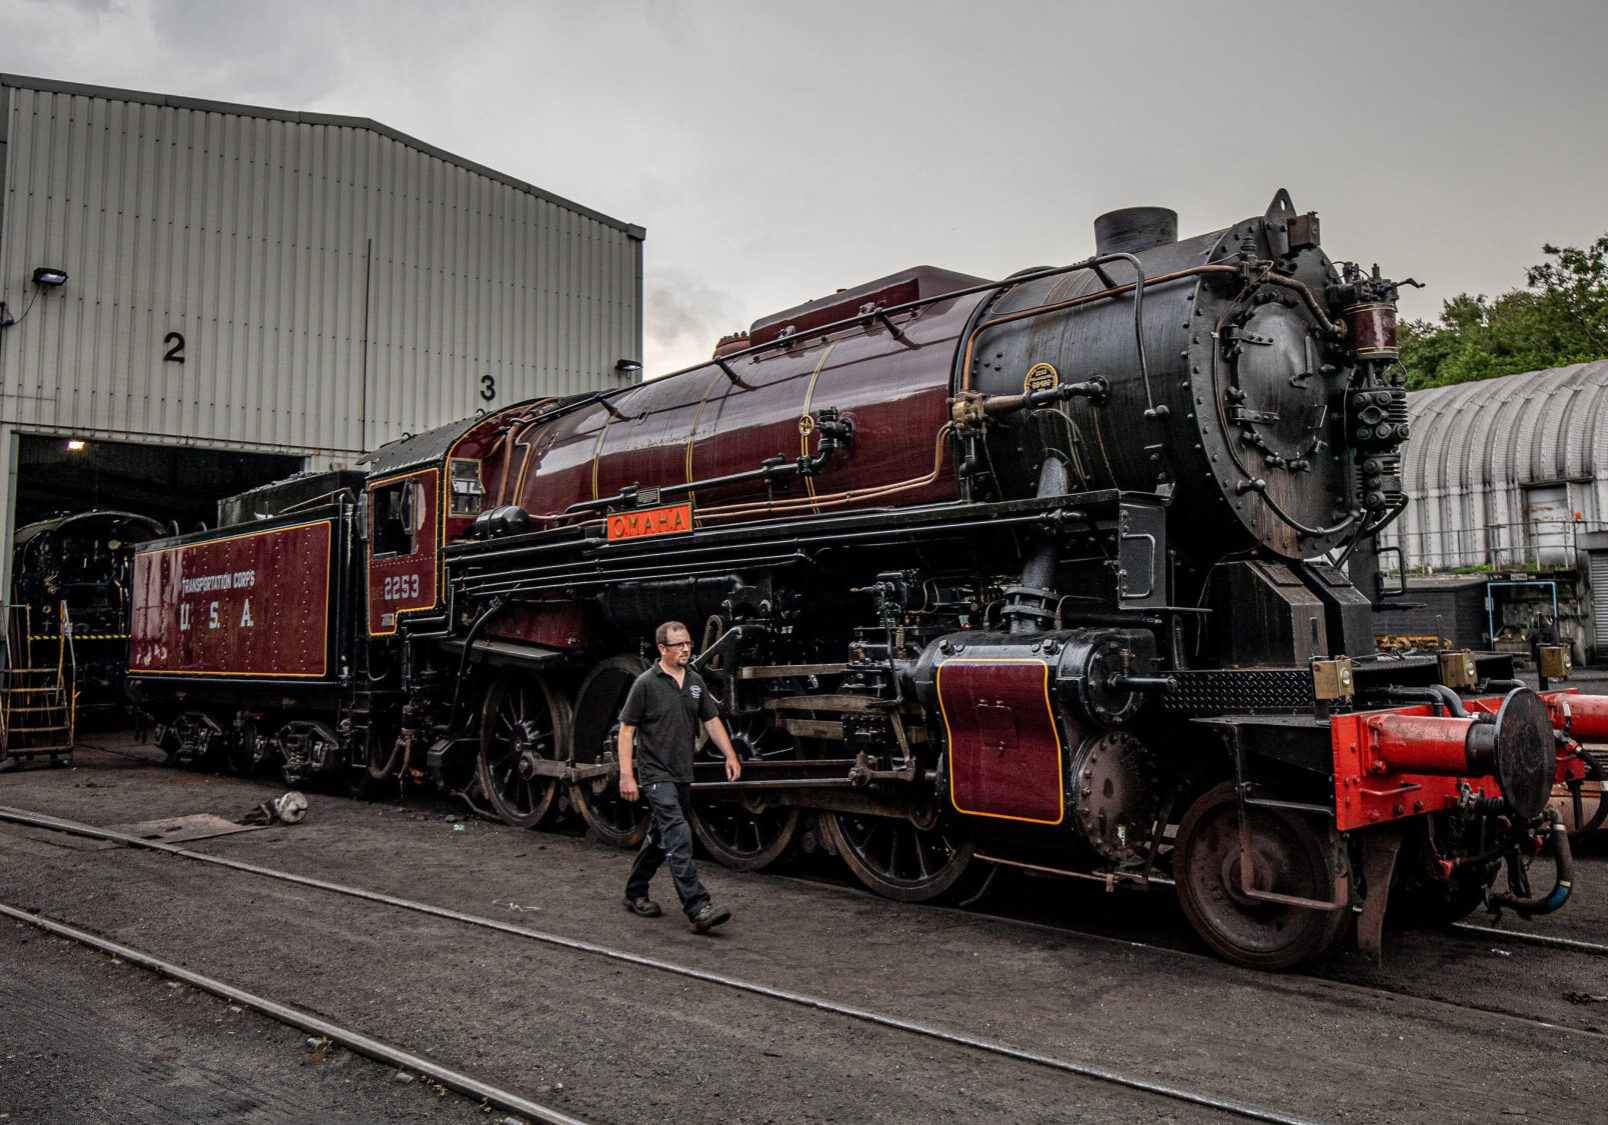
(661, 635)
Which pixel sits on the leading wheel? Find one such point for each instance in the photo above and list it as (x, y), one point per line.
(897, 858)
(616, 821)
(1287, 857)
(525, 722)
(748, 833)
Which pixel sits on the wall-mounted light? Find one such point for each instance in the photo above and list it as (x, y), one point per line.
(74, 445)
(49, 275)
(626, 366)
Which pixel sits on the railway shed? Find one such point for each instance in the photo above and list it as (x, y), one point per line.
(199, 297)
(1506, 537)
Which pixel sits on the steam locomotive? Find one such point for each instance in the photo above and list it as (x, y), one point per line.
(70, 600)
(1043, 572)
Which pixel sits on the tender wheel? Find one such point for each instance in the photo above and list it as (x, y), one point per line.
(308, 751)
(898, 859)
(246, 755)
(1288, 858)
(748, 834)
(597, 731)
(524, 721)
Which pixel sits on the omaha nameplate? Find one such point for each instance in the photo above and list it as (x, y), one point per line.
(668, 520)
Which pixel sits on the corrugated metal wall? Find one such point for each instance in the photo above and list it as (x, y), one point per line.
(335, 284)
(1477, 452)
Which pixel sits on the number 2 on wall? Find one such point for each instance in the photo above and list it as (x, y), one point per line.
(175, 343)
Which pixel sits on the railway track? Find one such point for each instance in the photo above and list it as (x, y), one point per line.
(1474, 929)
(349, 1038)
(451, 1078)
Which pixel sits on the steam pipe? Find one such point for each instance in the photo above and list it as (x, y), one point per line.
(1435, 693)
(1033, 594)
(1559, 894)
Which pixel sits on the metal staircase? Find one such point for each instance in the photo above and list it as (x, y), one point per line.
(38, 691)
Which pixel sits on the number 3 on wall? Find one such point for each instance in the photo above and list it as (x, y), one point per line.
(488, 388)
(175, 343)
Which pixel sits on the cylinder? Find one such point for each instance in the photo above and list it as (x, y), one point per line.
(1423, 744)
(1587, 717)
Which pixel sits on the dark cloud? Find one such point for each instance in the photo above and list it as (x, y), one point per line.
(684, 316)
(778, 151)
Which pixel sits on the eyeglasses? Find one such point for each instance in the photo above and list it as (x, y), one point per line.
(678, 644)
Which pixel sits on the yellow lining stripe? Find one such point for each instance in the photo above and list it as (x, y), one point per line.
(329, 548)
(609, 415)
(692, 434)
(1060, 764)
(809, 399)
(232, 538)
(368, 556)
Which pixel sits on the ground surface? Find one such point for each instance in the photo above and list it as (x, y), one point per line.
(1453, 1027)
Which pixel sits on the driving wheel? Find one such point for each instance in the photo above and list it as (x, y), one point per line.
(747, 833)
(523, 722)
(898, 858)
(616, 821)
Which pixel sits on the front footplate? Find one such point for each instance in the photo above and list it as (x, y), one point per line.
(1409, 760)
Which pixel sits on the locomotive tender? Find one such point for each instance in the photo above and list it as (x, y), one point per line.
(1037, 572)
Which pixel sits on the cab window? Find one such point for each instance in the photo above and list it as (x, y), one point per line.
(398, 514)
(466, 488)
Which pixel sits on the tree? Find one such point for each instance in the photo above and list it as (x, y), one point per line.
(1561, 317)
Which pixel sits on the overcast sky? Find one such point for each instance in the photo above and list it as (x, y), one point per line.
(778, 151)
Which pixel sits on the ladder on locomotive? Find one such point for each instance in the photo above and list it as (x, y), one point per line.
(38, 689)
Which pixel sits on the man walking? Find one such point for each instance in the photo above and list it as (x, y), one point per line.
(658, 732)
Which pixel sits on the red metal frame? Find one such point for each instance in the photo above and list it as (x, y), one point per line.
(1393, 764)
(1377, 755)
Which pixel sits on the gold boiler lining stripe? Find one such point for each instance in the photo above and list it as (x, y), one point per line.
(521, 442)
(834, 499)
(809, 400)
(692, 434)
(597, 450)
(799, 504)
(503, 445)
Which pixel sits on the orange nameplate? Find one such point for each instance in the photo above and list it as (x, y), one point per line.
(651, 521)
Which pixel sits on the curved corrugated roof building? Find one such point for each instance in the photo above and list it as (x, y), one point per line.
(1505, 470)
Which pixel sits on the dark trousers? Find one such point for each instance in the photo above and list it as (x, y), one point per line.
(669, 838)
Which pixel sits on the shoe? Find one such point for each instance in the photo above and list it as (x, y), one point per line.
(643, 907)
(710, 917)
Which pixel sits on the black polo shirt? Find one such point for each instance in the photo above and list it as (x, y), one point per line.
(667, 719)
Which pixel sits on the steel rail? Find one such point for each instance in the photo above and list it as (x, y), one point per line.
(865, 1015)
(306, 1021)
(1594, 948)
